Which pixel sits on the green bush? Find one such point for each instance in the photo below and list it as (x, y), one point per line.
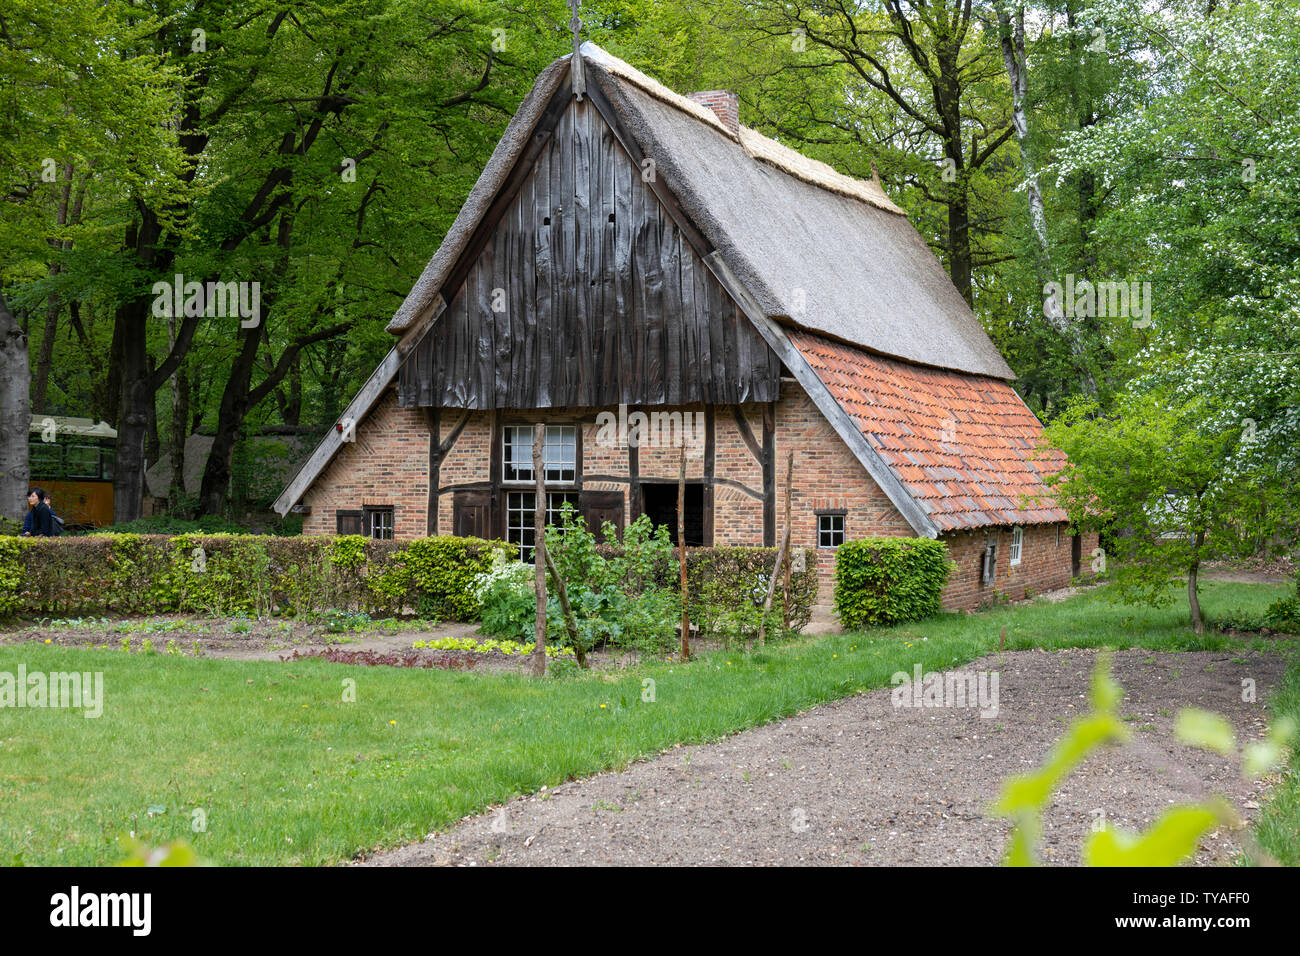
(506, 599)
(1284, 615)
(889, 580)
(238, 574)
(442, 570)
(727, 586)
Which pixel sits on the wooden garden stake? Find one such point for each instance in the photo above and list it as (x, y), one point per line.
(789, 491)
(681, 550)
(539, 552)
(780, 556)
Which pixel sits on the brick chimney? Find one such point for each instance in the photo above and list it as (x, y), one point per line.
(725, 105)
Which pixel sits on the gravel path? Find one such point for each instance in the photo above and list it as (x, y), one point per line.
(863, 782)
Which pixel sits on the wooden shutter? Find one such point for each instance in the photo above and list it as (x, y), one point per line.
(348, 522)
(601, 506)
(471, 513)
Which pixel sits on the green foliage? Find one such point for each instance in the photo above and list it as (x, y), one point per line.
(1284, 614)
(11, 574)
(442, 570)
(1159, 470)
(1175, 835)
(889, 580)
(237, 574)
(505, 595)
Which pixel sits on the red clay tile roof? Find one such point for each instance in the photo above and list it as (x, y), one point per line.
(964, 446)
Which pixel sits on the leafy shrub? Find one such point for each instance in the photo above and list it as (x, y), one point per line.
(10, 526)
(507, 601)
(889, 580)
(729, 585)
(236, 574)
(1284, 615)
(442, 570)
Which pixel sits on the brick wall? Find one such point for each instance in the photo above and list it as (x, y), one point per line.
(388, 465)
(1045, 564)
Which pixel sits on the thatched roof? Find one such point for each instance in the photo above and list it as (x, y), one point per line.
(818, 250)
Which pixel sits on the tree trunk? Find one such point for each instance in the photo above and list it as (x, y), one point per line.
(15, 415)
(45, 359)
(539, 552)
(1193, 599)
(1012, 36)
(230, 417)
(179, 427)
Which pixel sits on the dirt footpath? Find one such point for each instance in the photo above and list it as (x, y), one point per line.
(864, 782)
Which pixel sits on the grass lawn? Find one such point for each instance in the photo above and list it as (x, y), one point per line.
(287, 772)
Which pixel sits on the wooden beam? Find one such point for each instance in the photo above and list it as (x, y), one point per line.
(826, 403)
(730, 483)
(708, 474)
(769, 474)
(634, 482)
(747, 433)
(433, 418)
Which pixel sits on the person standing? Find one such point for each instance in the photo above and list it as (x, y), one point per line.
(38, 523)
(56, 523)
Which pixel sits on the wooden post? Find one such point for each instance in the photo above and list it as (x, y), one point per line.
(681, 551)
(789, 492)
(781, 553)
(539, 552)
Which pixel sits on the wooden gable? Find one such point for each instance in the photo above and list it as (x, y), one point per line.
(582, 290)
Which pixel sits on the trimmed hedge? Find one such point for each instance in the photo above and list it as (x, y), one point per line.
(889, 580)
(727, 586)
(234, 574)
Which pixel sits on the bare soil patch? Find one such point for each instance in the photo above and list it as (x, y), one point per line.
(862, 782)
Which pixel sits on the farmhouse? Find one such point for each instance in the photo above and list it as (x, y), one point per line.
(638, 271)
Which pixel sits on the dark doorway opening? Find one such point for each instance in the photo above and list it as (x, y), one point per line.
(659, 500)
(1076, 555)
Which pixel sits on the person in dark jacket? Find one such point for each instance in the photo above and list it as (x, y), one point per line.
(39, 523)
(56, 523)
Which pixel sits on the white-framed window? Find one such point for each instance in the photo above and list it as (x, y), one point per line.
(379, 522)
(559, 453)
(1017, 544)
(830, 529)
(520, 516)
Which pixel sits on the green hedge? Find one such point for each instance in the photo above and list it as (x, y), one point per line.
(728, 585)
(233, 574)
(889, 580)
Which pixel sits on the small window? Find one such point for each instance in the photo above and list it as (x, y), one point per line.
(379, 523)
(1017, 542)
(830, 529)
(559, 453)
(520, 517)
(347, 522)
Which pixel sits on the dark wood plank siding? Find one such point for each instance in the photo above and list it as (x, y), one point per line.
(563, 307)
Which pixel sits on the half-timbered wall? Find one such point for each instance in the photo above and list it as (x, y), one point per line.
(587, 293)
